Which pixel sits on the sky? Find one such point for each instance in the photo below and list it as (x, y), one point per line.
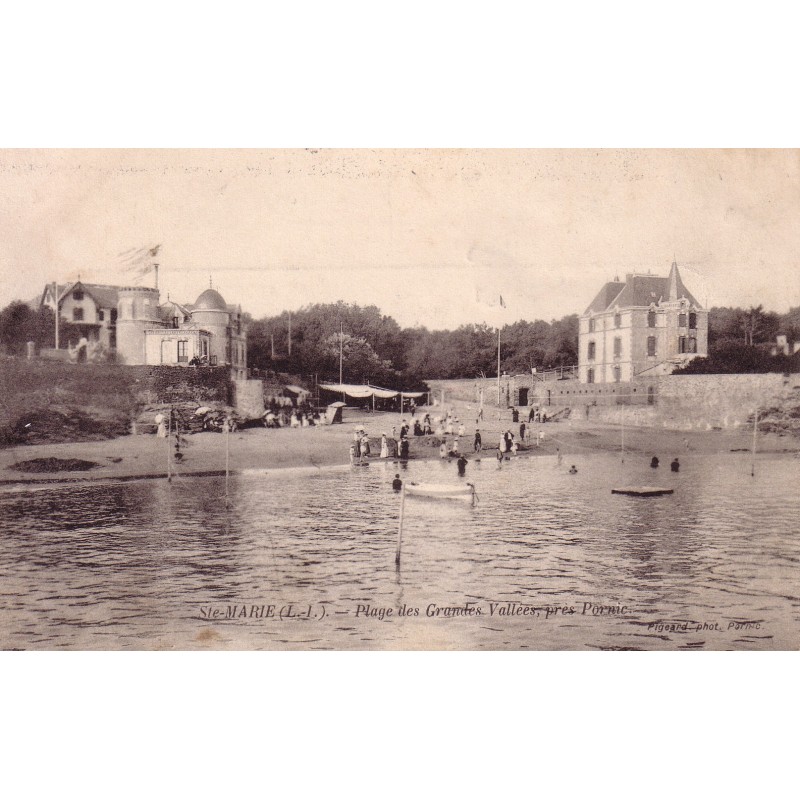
(432, 237)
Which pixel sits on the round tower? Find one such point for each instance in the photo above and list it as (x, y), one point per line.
(137, 310)
(210, 313)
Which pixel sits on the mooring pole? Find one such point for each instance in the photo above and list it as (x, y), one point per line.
(169, 447)
(227, 459)
(622, 427)
(755, 432)
(400, 525)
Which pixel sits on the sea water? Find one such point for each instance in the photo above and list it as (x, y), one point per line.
(305, 559)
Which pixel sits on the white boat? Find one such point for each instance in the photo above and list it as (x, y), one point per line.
(447, 491)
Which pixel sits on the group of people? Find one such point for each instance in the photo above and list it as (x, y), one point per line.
(283, 413)
(391, 447)
(675, 466)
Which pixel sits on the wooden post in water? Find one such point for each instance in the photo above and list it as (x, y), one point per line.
(169, 446)
(227, 459)
(622, 431)
(400, 525)
(755, 432)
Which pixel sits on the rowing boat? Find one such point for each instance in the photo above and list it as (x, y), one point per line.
(444, 491)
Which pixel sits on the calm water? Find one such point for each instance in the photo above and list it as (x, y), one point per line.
(147, 564)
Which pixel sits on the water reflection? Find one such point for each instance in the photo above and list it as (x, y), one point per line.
(131, 565)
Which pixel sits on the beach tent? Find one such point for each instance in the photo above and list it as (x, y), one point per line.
(361, 391)
(296, 391)
(333, 413)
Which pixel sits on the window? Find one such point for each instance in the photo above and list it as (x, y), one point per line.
(164, 351)
(212, 361)
(682, 320)
(591, 325)
(183, 350)
(113, 315)
(692, 344)
(693, 320)
(174, 322)
(592, 348)
(77, 314)
(617, 320)
(590, 376)
(205, 347)
(101, 315)
(617, 346)
(651, 319)
(77, 295)
(617, 373)
(651, 345)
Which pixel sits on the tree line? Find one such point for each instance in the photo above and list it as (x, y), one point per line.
(374, 348)
(742, 339)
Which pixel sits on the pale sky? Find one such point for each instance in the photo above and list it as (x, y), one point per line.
(426, 235)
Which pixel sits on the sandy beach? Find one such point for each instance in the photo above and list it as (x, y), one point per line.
(141, 456)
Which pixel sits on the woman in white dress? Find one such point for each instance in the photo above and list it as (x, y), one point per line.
(384, 446)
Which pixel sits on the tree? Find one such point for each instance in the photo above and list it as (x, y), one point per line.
(20, 324)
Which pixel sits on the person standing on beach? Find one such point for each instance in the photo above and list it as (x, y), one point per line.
(442, 450)
(384, 446)
(462, 465)
(675, 465)
(477, 444)
(522, 431)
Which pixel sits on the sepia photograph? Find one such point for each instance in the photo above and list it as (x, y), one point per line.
(399, 399)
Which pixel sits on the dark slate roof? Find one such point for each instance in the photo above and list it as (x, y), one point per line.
(641, 290)
(104, 296)
(605, 297)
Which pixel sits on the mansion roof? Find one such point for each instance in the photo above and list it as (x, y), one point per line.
(641, 291)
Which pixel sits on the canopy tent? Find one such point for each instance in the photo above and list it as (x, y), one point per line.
(298, 391)
(364, 390)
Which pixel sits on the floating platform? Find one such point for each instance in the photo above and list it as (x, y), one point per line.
(643, 491)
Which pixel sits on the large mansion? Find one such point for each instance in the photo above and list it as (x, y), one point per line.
(642, 327)
(131, 323)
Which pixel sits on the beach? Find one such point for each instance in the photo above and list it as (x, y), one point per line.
(140, 456)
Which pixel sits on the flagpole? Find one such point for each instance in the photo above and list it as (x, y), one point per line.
(498, 366)
(55, 297)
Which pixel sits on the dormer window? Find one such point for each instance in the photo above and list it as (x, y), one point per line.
(682, 320)
(591, 324)
(174, 322)
(617, 320)
(77, 294)
(693, 320)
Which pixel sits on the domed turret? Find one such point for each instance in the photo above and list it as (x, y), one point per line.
(210, 300)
